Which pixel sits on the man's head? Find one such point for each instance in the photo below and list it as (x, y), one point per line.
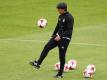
(62, 7)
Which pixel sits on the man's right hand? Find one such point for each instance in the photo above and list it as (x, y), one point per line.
(57, 38)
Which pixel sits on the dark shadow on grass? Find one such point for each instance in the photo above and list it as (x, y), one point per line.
(64, 71)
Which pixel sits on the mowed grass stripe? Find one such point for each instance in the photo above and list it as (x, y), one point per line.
(41, 41)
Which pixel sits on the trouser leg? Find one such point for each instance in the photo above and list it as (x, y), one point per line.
(63, 45)
(50, 45)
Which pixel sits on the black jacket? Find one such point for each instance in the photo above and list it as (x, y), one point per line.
(65, 25)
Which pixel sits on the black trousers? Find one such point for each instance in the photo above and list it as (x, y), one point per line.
(62, 45)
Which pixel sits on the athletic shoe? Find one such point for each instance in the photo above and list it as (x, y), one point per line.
(58, 76)
(35, 64)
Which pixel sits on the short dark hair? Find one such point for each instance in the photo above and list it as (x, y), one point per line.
(62, 5)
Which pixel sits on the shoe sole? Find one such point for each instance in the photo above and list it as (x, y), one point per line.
(58, 76)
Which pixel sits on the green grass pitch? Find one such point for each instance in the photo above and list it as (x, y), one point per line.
(22, 41)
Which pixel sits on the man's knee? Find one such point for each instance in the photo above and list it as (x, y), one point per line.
(47, 47)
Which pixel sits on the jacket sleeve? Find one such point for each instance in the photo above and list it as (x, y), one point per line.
(69, 29)
(56, 30)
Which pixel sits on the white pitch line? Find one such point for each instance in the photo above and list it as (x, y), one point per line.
(90, 44)
(39, 41)
(23, 40)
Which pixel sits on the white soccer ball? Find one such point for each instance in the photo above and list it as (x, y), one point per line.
(91, 67)
(88, 73)
(42, 23)
(72, 64)
(57, 66)
(66, 67)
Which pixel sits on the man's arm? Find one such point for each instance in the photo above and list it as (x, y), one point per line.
(56, 30)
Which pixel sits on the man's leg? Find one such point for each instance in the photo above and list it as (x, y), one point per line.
(50, 45)
(63, 45)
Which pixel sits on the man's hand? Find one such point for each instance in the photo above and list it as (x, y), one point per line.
(57, 38)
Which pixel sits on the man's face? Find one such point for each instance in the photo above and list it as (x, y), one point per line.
(61, 11)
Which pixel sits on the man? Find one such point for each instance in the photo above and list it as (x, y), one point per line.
(61, 38)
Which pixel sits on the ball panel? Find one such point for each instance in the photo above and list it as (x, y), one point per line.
(88, 73)
(91, 67)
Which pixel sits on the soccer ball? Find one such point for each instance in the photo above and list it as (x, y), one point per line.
(72, 64)
(66, 67)
(91, 67)
(88, 73)
(57, 67)
(42, 23)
